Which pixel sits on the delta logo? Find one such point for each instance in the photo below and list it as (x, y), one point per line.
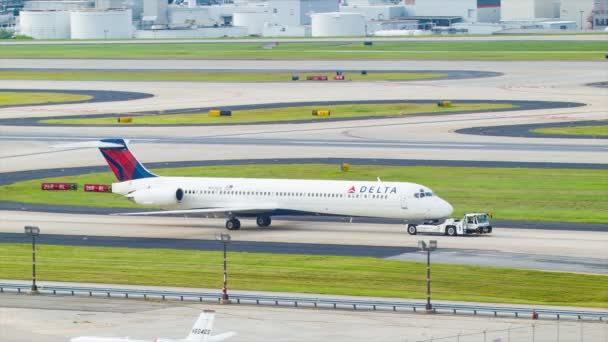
(372, 189)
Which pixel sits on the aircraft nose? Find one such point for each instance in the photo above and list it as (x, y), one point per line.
(445, 209)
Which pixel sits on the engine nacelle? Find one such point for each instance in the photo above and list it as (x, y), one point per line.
(164, 196)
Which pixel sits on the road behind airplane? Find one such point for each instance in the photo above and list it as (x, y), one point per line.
(200, 332)
(264, 198)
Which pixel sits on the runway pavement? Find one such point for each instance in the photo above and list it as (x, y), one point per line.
(408, 137)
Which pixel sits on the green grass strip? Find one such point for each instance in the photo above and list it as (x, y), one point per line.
(359, 276)
(590, 131)
(204, 76)
(558, 195)
(454, 50)
(287, 114)
(9, 98)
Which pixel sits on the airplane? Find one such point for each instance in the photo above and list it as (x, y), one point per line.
(263, 198)
(200, 332)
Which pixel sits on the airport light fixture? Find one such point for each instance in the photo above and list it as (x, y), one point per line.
(224, 239)
(431, 246)
(33, 231)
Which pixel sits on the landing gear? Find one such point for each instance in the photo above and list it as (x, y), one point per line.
(411, 229)
(263, 221)
(233, 224)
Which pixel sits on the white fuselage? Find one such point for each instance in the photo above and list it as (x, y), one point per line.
(343, 198)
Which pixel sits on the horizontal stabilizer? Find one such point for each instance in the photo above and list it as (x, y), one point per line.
(87, 144)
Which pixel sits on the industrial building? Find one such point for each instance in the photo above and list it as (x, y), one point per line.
(589, 14)
(483, 11)
(46, 19)
(513, 10)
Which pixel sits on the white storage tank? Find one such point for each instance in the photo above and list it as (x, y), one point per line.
(101, 24)
(253, 21)
(45, 24)
(338, 24)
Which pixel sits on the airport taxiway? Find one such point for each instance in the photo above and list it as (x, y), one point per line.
(428, 137)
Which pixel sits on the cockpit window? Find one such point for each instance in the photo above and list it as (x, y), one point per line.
(422, 194)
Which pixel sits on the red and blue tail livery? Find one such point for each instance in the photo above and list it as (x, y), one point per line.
(122, 162)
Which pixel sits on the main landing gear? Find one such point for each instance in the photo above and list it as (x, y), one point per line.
(233, 224)
(263, 221)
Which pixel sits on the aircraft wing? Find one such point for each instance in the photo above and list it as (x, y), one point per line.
(219, 210)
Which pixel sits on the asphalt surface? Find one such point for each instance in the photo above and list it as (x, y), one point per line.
(214, 245)
(97, 96)
(521, 105)
(525, 131)
(256, 140)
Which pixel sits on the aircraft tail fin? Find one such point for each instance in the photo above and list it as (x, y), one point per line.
(201, 331)
(122, 162)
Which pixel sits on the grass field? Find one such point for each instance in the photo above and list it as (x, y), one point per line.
(8, 98)
(486, 50)
(286, 114)
(559, 195)
(357, 276)
(202, 76)
(591, 131)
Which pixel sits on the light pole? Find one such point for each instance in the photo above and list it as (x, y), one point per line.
(431, 246)
(582, 20)
(224, 239)
(33, 231)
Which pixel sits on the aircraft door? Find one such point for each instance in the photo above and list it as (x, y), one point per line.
(403, 201)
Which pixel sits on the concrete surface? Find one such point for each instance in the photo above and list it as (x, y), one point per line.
(45, 318)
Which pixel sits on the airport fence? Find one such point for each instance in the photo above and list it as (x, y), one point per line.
(535, 332)
(312, 302)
